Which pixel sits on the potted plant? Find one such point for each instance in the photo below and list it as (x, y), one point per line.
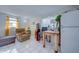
(58, 18)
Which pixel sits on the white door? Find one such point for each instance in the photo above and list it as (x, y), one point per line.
(70, 32)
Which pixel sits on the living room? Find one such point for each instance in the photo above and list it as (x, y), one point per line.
(33, 29)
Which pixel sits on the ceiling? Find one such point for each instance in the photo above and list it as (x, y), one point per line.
(35, 10)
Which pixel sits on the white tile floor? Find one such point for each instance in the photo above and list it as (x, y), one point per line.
(29, 46)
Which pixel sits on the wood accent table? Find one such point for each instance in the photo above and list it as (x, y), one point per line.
(55, 34)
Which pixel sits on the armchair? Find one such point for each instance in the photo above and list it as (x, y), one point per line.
(22, 34)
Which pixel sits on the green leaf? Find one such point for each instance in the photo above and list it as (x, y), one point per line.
(58, 18)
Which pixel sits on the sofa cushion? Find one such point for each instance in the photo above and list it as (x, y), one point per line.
(7, 40)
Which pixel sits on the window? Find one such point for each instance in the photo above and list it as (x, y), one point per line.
(12, 22)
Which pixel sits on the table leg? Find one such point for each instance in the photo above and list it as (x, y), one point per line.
(49, 38)
(43, 40)
(56, 41)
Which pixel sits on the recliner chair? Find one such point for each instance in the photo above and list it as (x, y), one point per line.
(22, 34)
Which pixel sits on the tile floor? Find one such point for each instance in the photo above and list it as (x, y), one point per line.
(29, 46)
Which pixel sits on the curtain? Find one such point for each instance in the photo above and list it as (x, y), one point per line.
(7, 26)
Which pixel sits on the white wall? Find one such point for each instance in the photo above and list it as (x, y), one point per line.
(2, 23)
